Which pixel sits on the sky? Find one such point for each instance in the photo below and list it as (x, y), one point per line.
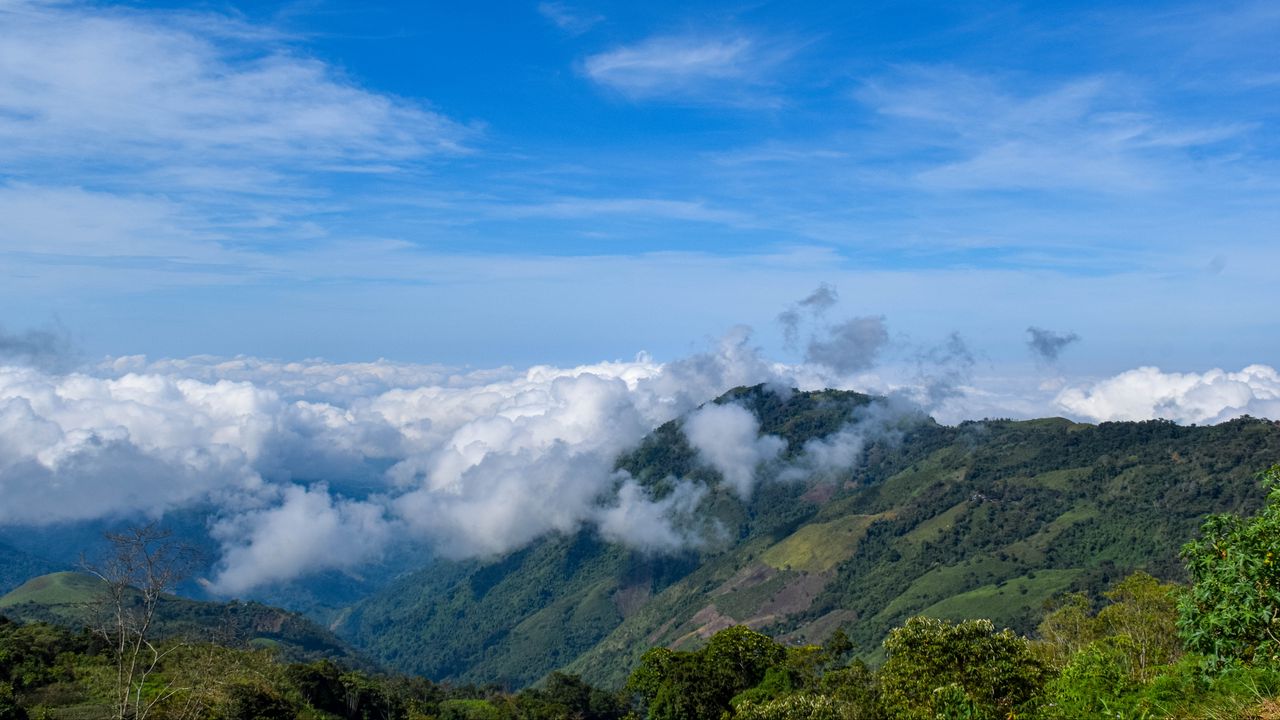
(545, 182)
(368, 270)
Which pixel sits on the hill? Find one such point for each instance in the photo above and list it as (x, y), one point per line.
(983, 519)
(73, 600)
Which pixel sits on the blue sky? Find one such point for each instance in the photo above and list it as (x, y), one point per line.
(522, 182)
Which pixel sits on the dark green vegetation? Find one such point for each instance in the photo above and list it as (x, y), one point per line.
(1232, 612)
(987, 519)
(48, 671)
(75, 600)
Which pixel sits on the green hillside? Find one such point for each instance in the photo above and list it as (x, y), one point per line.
(984, 519)
(74, 600)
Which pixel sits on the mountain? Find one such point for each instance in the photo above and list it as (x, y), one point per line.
(985, 519)
(73, 600)
(17, 565)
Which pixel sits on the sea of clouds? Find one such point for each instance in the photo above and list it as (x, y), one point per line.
(314, 465)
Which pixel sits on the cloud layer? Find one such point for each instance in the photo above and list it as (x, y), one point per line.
(311, 466)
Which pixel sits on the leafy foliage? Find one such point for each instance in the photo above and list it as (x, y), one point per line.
(1232, 612)
(676, 685)
(936, 667)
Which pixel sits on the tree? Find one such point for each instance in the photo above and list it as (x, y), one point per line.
(1097, 681)
(1068, 628)
(9, 708)
(1145, 611)
(800, 706)
(995, 671)
(1232, 612)
(142, 565)
(678, 685)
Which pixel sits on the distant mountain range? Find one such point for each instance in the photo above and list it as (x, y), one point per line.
(74, 600)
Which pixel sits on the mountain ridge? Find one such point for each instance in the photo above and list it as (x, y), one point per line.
(999, 514)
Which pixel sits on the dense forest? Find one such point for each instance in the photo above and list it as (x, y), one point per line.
(1147, 649)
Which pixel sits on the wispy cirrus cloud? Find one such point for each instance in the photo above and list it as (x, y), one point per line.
(1089, 133)
(653, 208)
(568, 18)
(713, 69)
(99, 89)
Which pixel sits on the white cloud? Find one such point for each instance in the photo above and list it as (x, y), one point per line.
(292, 457)
(308, 529)
(289, 456)
(1090, 134)
(733, 69)
(727, 438)
(849, 346)
(661, 525)
(83, 85)
(44, 220)
(1148, 392)
(146, 147)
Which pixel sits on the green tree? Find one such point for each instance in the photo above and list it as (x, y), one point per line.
(677, 685)
(800, 706)
(1068, 628)
(1145, 611)
(1098, 681)
(256, 701)
(1232, 612)
(9, 708)
(997, 671)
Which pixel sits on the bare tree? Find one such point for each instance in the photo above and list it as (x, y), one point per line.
(143, 564)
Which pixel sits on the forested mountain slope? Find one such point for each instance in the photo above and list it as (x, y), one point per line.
(986, 519)
(17, 566)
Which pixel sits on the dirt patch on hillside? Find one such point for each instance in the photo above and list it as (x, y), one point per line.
(707, 622)
(748, 577)
(820, 493)
(797, 595)
(630, 599)
(1266, 710)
